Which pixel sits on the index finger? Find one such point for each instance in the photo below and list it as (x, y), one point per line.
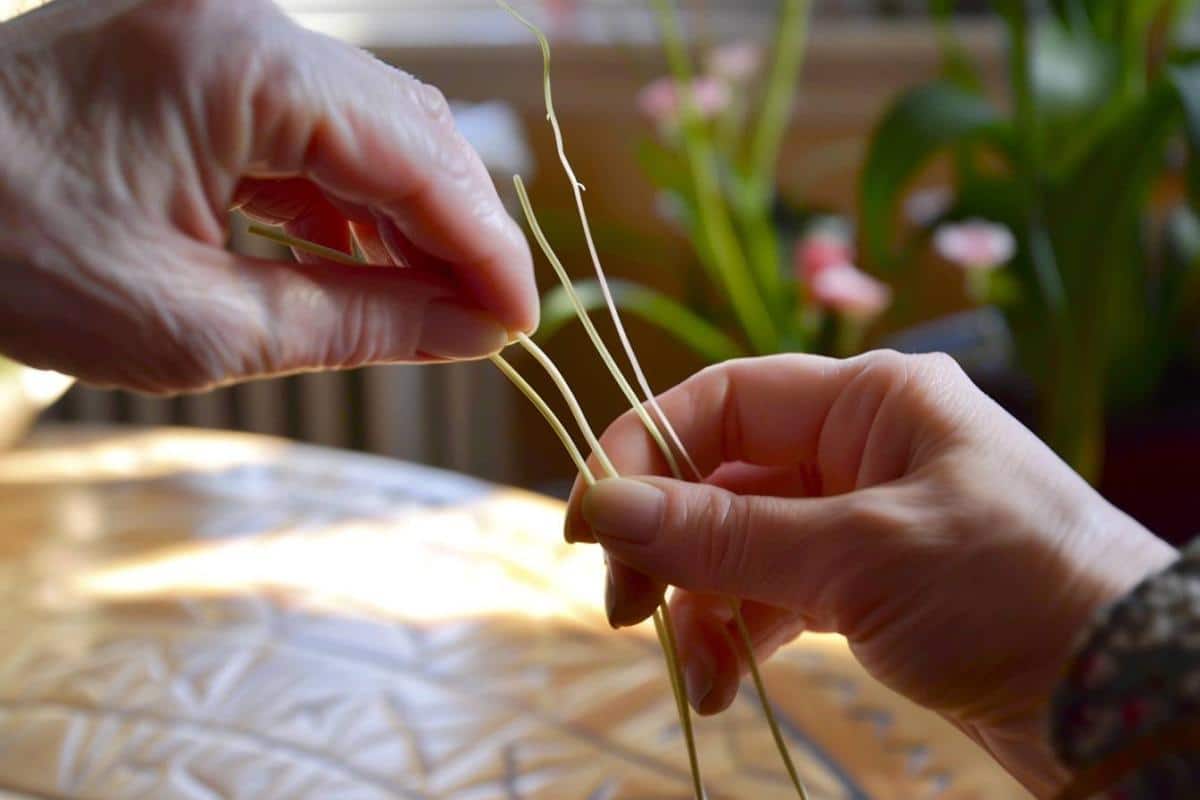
(373, 137)
(776, 411)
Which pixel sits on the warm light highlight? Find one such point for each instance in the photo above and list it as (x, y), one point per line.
(423, 566)
(159, 453)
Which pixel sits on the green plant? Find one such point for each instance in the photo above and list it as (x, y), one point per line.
(1076, 163)
(714, 164)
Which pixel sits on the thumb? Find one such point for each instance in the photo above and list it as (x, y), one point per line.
(238, 318)
(777, 551)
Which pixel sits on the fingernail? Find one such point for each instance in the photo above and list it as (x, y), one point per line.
(698, 680)
(451, 331)
(618, 508)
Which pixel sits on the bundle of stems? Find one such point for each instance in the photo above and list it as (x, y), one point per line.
(657, 426)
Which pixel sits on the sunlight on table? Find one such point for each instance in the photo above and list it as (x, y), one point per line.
(262, 611)
(425, 566)
(11, 8)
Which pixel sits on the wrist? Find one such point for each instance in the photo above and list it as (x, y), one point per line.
(1101, 558)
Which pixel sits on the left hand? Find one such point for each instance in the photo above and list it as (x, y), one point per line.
(130, 128)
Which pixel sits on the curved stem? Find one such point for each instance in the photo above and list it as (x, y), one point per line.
(593, 334)
(548, 413)
(753, 321)
(564, 388)
(768, 711)
(665, 628)
(312, 248)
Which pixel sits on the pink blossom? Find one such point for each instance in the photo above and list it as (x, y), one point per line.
(819, 251)
(925, 206)
(662, 101)
(849, 291)
(975, 244)
(736, 62)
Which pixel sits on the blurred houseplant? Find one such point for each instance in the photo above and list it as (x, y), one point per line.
(714, 161)
(1069, 206)
(1084, 164)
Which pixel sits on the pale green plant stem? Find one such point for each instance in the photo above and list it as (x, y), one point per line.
(564, 389)
(768, 711)
(312, 248)
(662, 615)
(700, 159)
(509, 371)
(577, 190)
(665, 628)
(559, 429)
(593, 334)
(662, 619)
(667, 642)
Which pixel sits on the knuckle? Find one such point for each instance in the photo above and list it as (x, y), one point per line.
(886, 513)
(927, 377)
(937, 368)
(889, 365)
(867, 518)
(433, 102)
(721, 525)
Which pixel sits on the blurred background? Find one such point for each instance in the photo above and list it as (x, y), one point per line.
(936, 161)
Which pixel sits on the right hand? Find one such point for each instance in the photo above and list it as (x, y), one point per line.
(884, 498)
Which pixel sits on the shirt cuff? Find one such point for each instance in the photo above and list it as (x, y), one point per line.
(1135, 672)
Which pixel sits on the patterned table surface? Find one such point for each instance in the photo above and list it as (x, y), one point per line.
(206, 615)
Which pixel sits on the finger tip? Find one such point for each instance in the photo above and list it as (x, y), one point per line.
(576, 530)
(634, 599)
(716, 702)
(628, 617)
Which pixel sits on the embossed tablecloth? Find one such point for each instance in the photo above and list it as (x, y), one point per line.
(199, 615)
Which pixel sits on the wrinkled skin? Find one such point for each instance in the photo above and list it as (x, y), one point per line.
(129, 129)
(884, 498)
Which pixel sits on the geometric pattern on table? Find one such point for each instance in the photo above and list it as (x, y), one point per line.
(208, 615)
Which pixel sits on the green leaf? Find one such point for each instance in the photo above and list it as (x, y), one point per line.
(1179, 287)
(667, 168)
(1098, 227)
(1075, 80)
(957, 67)
(647, 304)
(1072, 72)
(1185, 80)
(922, 123)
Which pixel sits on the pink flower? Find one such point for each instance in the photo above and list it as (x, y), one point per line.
(819, 251)
(925, 206)
(975, 244)
(736, 62)
(662, 101)
(849, 291)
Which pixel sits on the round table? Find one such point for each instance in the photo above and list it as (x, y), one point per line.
(211, 615)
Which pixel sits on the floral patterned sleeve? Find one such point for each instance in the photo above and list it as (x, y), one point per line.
(1126, 718)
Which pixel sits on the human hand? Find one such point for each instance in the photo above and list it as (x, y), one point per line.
(128, 130)
(884, 498)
